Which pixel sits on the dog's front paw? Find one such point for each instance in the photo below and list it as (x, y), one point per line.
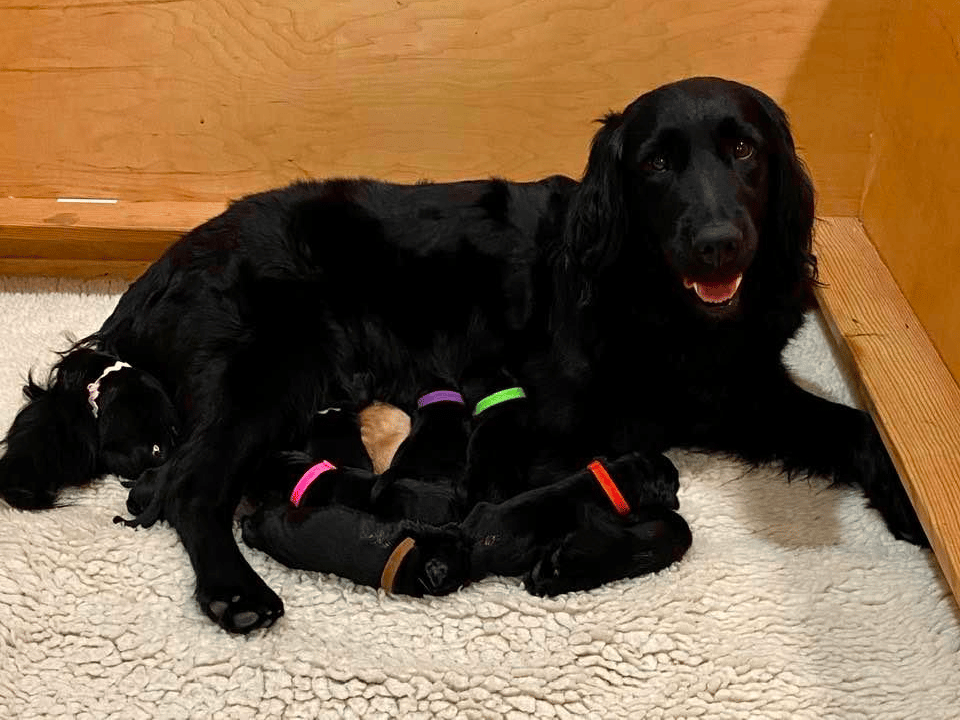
(886, 493)
(241, 607)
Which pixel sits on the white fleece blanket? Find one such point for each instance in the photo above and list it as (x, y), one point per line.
(793, 602)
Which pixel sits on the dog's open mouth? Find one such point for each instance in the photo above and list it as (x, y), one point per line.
(715, 292)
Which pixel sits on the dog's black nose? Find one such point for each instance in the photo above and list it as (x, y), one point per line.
(716, 244)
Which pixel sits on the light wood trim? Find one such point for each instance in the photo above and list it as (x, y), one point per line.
(45, 237)
(911, 394)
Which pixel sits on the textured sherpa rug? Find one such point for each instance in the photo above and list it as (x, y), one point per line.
(793, 602)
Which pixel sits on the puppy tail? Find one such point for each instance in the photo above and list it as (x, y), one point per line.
(51, 445)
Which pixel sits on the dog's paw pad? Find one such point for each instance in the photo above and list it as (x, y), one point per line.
(242, 614)
(217, 608)
(247, 620)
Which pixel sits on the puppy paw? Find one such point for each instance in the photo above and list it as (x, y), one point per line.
(144, 501)
(438, 563)
(251, 529)
(240, 608)
(602, 552)
(545, 578)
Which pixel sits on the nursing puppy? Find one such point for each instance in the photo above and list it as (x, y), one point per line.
(537, 533)
(329, 520)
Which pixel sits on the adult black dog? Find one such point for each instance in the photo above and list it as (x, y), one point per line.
(643, 307)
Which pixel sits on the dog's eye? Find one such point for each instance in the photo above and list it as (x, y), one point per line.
(656, 163)
(742, 149)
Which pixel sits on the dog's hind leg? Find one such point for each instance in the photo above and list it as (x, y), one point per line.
(197, 493)
(244, 413)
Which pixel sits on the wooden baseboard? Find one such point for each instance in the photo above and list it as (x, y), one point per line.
(91, 239)
(910, 392)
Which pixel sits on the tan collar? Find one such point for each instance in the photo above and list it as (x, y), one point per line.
(393, 563)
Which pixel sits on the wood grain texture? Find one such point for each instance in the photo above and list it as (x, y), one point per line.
(45, 230)
(910, 205)
(72, 268)
(205, 100)
(911, 394)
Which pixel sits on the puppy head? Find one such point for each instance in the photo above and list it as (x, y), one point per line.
(136, 423)
(702, 180)
(438, 564)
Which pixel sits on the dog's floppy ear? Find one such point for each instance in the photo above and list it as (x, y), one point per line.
(593, 231)
(791, 212)
(52, 444)
(595, 221)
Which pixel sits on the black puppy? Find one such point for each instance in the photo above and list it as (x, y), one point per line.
(425, 479)
(652, 539)
(95, 416)
(627, 504)
(329, 524)
(501, 445)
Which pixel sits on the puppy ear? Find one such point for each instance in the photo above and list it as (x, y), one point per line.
(595, 221)
(52, 444)
(791, 212)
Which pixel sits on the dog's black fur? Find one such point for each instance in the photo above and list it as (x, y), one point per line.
(510, 537)
(341, 527)
(356, 545)
(500, 448)
(419, 485)
(425, 479)
(57, 441)
(586, 291)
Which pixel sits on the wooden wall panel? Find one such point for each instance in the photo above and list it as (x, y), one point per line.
(201, 100)
(908, 390)
(911, 204)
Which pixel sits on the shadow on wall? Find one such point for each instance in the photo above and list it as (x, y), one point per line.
(832, 99)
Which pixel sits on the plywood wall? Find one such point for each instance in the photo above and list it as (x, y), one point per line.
(203, 100)
(911, 205)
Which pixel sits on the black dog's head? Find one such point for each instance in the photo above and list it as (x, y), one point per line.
(696, 184)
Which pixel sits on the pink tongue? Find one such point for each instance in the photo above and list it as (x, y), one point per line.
(717, 292)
